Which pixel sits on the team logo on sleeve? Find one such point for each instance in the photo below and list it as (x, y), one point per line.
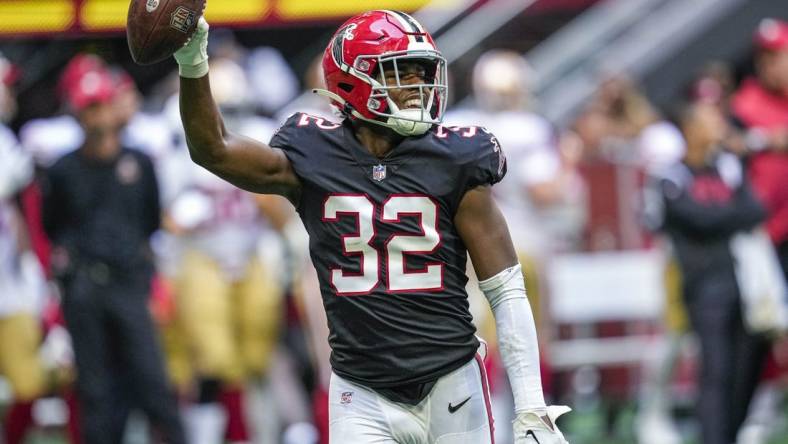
(379, 172)
(346, 398)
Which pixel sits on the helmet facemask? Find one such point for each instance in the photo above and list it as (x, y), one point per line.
(431, 92)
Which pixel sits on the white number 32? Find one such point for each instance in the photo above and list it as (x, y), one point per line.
(399, 277)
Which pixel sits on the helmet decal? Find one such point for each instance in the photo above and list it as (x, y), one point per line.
(346, 33)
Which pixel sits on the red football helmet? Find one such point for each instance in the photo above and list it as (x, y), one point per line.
(369, 44)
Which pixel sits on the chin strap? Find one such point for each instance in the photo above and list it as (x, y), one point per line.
(393, 123)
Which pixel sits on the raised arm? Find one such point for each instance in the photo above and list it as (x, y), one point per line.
(244, 162)
(484, 232)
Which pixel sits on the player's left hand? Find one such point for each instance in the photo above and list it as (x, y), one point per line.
(530, 427)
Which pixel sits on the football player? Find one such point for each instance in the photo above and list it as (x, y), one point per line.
(393, 203)
(22, 281)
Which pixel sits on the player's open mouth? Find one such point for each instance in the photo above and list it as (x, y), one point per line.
(412, 103)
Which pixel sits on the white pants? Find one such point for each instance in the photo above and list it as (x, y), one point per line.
(457, 411)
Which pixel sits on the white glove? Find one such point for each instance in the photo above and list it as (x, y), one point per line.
(530, 428)
(193, 57)
(57, 351)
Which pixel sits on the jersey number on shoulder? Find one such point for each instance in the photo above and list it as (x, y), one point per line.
(400, 278)
(465, 131)
(306, 120)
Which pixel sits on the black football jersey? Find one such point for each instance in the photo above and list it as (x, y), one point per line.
(390, 262)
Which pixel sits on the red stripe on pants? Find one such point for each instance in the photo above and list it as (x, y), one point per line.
(486, 390)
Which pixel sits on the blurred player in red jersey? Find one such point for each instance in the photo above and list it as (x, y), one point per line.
(761, 104)
(393, 203)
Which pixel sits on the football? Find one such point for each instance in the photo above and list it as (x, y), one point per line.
(157, 28)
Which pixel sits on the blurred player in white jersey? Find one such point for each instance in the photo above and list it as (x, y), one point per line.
(542, 183)
(227, 301)
(22, 283)
(542, 195)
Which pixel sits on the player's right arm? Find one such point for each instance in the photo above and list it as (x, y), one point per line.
(244, 162)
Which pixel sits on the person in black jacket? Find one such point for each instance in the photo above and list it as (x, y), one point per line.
(101, 205)
(705, 201)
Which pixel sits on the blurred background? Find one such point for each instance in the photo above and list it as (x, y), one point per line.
(635, 132)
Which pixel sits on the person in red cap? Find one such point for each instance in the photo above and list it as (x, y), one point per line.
(761, 105)
(101, 205)
(89, 96)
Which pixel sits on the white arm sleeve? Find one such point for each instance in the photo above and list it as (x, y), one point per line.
(517, 341)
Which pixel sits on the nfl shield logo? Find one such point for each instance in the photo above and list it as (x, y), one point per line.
(182, 19)
(379, 172)
(346, 398)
